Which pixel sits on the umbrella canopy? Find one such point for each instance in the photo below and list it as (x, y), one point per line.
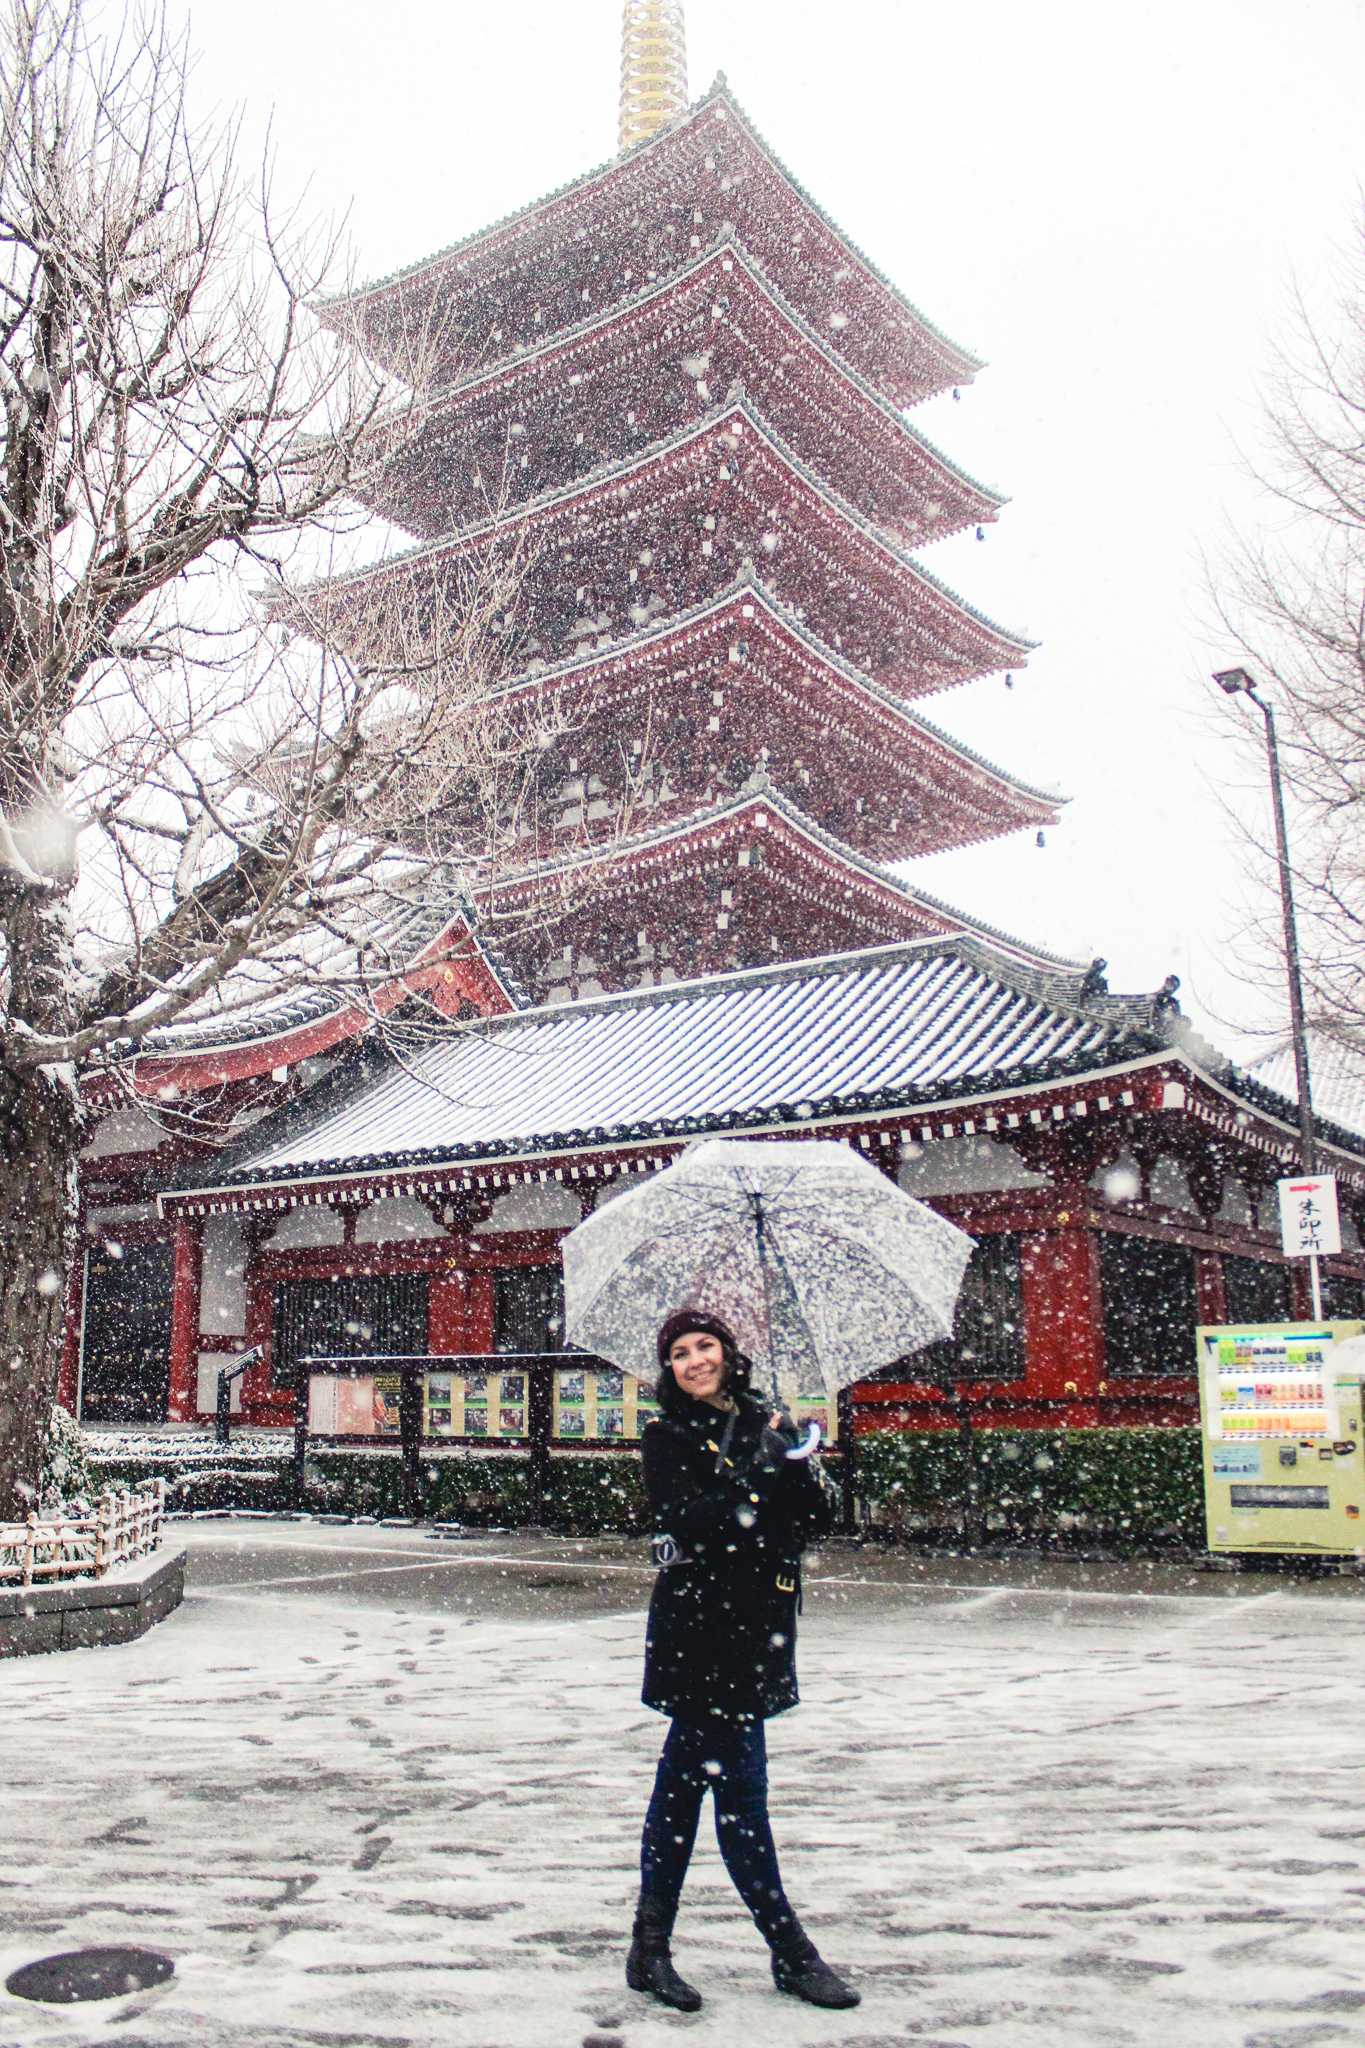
(823, 1269)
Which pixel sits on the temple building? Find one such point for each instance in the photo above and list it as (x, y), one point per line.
(677, 394)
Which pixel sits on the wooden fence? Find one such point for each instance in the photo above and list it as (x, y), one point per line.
(124, 1526)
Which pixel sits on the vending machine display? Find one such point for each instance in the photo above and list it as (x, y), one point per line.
(1281, 1418)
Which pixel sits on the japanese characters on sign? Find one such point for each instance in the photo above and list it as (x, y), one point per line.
(1309, 1223)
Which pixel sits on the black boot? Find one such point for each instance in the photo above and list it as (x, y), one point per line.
(801, 1971)
(649, 1966)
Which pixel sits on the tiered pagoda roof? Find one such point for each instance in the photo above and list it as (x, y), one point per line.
(671, 397)
(635, 374)
(679, 521)
(699, 702)
(744, 882)
(639, 218)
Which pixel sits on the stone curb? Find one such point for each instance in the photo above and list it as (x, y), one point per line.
(85, 1613)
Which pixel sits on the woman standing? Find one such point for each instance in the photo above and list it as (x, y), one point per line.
(734, 1513)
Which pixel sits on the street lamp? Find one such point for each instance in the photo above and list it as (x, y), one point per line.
(1236, 681)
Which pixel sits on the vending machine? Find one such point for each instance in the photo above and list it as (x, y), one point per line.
(1280, 1408)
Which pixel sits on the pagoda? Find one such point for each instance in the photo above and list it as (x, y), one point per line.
(677, 394)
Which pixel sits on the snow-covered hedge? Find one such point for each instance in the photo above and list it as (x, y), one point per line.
(598, 1493)
(1122, 1487)
(583, 1493)
(247, 1478)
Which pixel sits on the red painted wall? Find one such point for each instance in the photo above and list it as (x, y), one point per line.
(1210, 1295)
(460, 1313)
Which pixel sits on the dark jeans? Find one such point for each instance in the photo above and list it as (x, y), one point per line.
(731, 1761)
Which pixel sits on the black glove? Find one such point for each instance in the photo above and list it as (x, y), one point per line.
(780, 1435)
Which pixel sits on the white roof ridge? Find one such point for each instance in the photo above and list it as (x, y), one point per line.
(963, 945)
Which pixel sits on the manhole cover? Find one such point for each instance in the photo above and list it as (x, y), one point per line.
(90, 1973)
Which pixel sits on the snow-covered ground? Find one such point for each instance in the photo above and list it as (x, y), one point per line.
(369, 1789)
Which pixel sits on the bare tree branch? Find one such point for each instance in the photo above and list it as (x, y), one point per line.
(1291, 598)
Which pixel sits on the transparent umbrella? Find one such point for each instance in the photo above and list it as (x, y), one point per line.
(824, 1270)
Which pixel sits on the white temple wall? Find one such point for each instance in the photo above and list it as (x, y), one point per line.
(222, 1288)
(964, 1166)
(400, 1218)
(537, 1207)
(306, 1230)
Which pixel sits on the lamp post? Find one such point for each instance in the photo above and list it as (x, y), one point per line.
(1236, 682)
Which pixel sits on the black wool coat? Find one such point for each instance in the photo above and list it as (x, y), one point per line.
(721, 1638)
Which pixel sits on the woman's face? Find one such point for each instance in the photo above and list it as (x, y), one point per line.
(698, 1364)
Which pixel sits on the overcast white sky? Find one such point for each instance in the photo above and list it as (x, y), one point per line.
(1105, 202)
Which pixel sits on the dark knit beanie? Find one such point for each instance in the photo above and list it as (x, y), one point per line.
(686, 1322)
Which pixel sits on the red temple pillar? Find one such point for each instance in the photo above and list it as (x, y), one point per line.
(263, 1403)
(1063, 1323)
(182, 1398)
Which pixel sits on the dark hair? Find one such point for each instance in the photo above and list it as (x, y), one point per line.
(667, 1392)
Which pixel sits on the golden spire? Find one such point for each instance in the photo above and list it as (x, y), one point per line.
(653, 67)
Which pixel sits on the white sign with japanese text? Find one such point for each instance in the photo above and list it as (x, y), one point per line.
(1308, 1215)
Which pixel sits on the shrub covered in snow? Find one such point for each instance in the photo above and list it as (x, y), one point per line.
(67, 1474)
(1123, 1487)
(587, 1494)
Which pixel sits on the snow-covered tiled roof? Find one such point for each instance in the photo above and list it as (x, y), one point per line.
(1336, 1073)
(853, 1034)
(312, 976)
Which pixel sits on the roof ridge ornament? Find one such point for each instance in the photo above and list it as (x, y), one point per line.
(653, 68)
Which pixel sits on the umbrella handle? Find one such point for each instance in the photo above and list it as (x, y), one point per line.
(804, 1450)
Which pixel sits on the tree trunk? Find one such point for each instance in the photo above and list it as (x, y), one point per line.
(39, 1136)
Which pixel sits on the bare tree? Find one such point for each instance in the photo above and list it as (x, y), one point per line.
(1292, 597)
(203, 795)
